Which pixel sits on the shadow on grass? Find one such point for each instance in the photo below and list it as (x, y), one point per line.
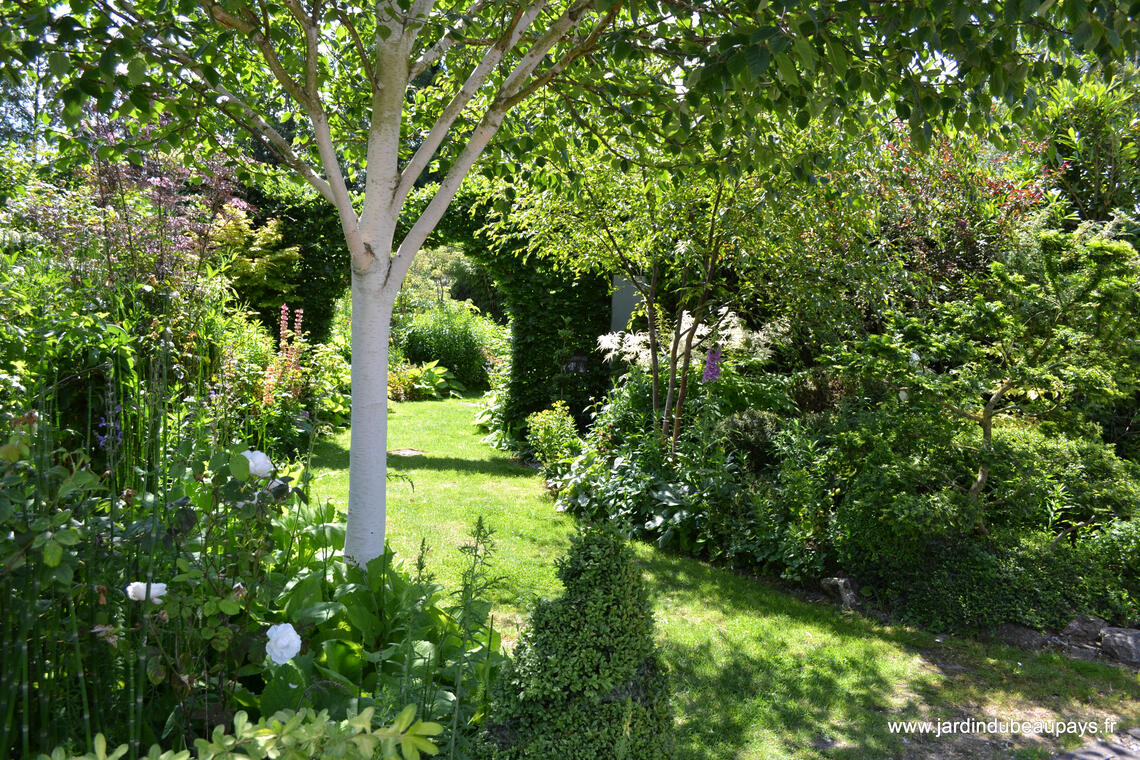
(498, 468)
(800, 702)
(745, 691)
(754, 690)
(328, 454)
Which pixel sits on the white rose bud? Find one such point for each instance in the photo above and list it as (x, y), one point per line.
(137, 591)
(259, 464)
(283, 644)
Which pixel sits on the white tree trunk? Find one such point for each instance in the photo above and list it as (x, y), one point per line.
(372, 301)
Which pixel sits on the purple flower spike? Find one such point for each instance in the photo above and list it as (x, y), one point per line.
(712, 365)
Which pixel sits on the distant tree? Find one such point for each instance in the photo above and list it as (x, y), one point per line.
(1094, 144)
(1052, 326)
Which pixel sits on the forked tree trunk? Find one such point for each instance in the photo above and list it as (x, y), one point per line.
(377, 268)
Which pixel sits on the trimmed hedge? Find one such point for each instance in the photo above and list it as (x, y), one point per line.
(585, 681)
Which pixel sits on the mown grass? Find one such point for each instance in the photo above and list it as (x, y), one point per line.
(437, 496)
(757, 672)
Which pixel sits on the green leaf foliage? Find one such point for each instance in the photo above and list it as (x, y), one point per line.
(555, 315)
(1093, 145)
(553, 436)
(585, 681)
(263, 270)
(317, 271)
(457, 338)
(304, 733)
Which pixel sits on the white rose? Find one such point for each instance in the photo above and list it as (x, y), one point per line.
(137, 591)
(283, 644)
(259, 464)
(903, 396)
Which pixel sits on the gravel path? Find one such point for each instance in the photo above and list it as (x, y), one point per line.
(1125, 745)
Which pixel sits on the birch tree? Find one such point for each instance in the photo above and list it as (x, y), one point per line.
(382, 94)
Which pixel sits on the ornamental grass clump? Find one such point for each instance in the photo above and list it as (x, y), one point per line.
(585, 681)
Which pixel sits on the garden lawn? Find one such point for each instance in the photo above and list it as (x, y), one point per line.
(757, 672)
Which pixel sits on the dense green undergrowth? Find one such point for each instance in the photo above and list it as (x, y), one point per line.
(164, 567)
(756, 672)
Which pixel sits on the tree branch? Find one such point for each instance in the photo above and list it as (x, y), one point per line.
(359, 45)
(444, 43)
(331, 163)
(533, 57)
(480, 136)
(423, 155)
(416, 18)
(587, 45)
(249, 119)
(261, 41)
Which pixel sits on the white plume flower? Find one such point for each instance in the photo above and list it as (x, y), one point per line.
(632, 347)
(609, 344)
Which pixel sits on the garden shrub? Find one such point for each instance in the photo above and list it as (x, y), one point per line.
(752, 432)
(976, 584)
(891, 225)
(685, 500)
(1092, 145)
(378, 637)
(456, 337)
(585, 681)
(310, 224)
(410, 382)
(1117, 548)
(553, 436)
(443, 274)
(905, 527)
(130, 386)
(261, 266)
(555, 322)
(331, 386)
(1051, 481)
(626, 413)
(151, 314)
(793, 509)
(903, 479)
(765, 533)
(490, 418)
(877, 489)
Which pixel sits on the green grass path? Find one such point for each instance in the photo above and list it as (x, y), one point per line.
(757, 673)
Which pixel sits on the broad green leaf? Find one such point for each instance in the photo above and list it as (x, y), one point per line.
(59, 64)
(239, 467)
(53, 553)
(136, 71)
